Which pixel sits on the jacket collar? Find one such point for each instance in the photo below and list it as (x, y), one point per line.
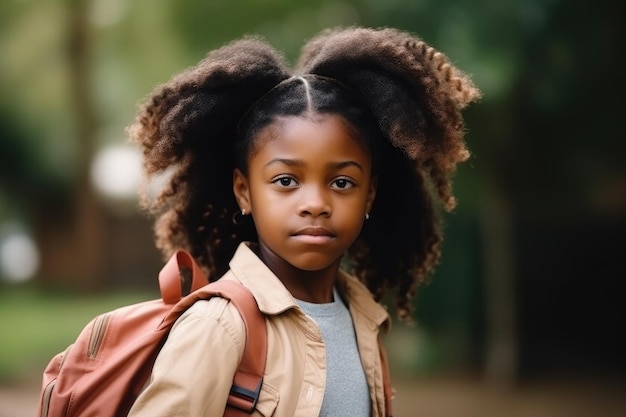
(270, 294)
(273, 298)
(360, 300)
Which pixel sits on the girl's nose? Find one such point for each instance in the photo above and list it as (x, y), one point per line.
(315, 202)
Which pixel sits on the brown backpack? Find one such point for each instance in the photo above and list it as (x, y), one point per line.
(104, 370)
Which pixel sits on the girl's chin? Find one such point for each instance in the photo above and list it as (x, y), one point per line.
(313, 262)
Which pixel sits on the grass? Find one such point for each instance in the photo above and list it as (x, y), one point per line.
(35, 325)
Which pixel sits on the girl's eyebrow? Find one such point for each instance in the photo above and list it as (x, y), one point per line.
(299, 163)
(345, 164)
(285, 161)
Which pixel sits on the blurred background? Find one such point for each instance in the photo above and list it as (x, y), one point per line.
(524, 316)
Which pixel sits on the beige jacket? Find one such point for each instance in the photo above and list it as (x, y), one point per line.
(193, 372)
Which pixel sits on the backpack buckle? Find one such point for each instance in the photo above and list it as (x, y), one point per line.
(243, 398)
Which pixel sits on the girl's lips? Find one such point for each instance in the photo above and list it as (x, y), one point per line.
(313, 239)
(314, 231)
(313, 235)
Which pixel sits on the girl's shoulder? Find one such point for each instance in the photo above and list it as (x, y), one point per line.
(215, 314)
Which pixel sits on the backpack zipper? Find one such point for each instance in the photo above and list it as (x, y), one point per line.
(47, 393)
(49, 389)
(97, 335)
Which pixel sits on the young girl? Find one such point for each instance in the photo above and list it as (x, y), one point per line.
(285, 182)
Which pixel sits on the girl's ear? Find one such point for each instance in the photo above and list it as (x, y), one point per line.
(241, 188)
(371, 194)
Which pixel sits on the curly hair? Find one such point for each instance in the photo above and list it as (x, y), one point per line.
(402, 97)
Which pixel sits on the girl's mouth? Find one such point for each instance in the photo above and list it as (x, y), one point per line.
(313, 235)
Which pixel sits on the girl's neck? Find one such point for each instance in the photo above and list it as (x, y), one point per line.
(310, 286)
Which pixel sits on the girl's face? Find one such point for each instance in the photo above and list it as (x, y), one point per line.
(308, 188)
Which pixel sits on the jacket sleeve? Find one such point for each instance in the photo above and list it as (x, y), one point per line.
(194, 370)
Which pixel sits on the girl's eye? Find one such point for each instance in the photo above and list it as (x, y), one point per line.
(285, 182)
(342, 184)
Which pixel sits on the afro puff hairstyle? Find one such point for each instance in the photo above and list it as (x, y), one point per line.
(403, 98)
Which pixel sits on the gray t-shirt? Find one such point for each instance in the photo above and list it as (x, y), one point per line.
(347, 393)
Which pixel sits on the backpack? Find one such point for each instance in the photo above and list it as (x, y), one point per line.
(104, 370)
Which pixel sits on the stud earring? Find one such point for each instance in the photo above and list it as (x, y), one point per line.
(367, 216)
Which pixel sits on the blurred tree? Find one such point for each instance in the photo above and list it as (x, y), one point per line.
(567, 180)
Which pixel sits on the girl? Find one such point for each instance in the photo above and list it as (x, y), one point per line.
(284, 181)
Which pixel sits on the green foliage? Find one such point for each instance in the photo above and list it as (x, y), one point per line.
(135, 45)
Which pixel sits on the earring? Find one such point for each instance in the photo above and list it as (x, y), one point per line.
(367, 216)
(237, 213)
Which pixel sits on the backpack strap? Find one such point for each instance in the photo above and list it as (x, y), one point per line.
(248, 378)
(180, 276)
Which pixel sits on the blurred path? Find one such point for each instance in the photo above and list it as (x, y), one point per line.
(450, 397)
(461, 397)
